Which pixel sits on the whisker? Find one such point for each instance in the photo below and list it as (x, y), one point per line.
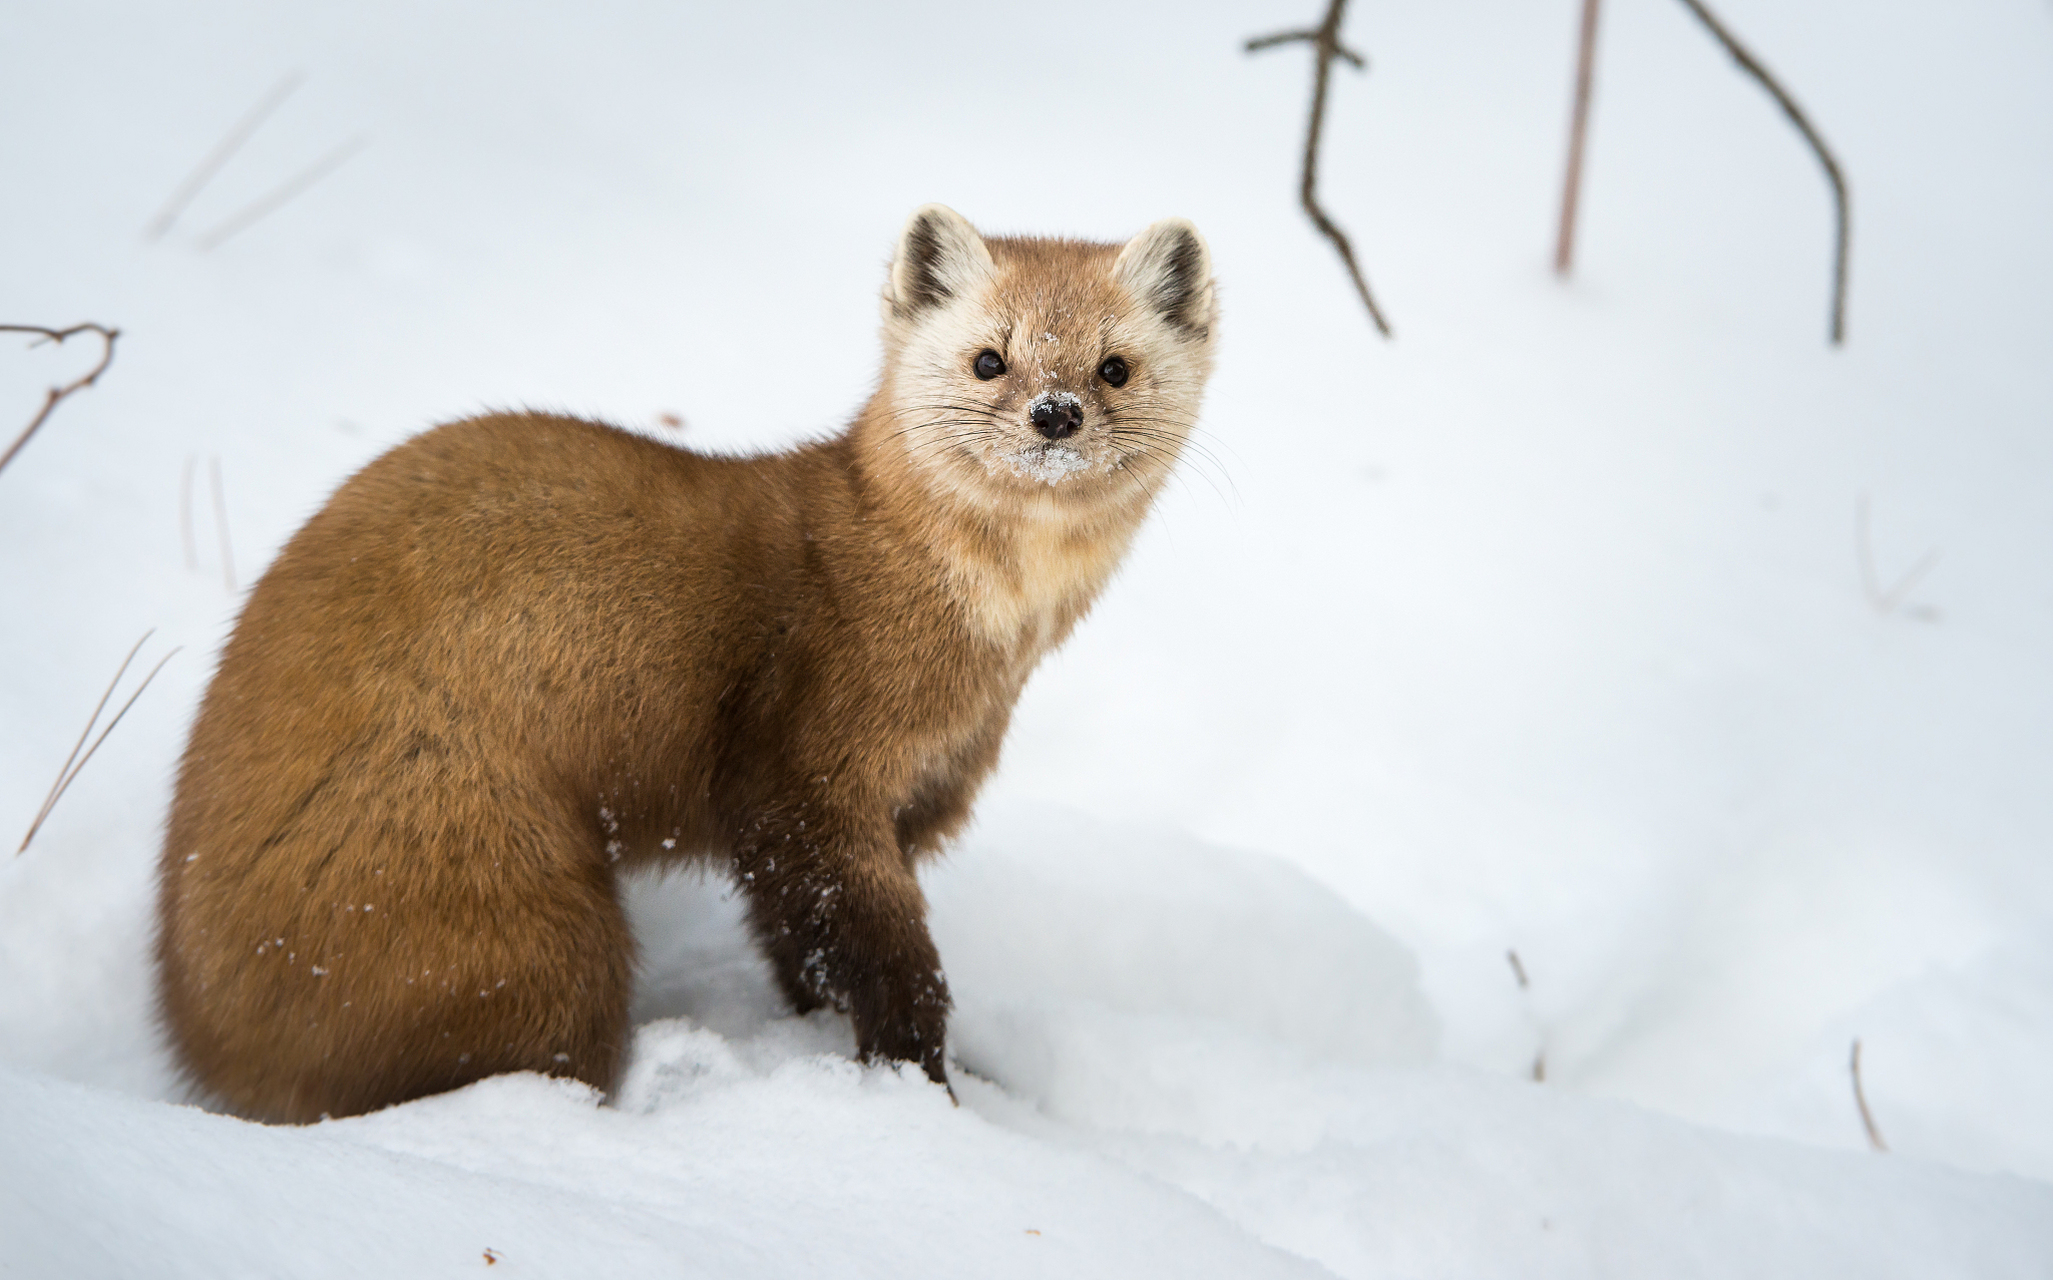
(1124, 435)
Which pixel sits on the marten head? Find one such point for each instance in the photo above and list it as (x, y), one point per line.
(1054, 370)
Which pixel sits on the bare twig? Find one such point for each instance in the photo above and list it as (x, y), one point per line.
(1325, 41)
(231, 142)
(257, 210)
(221, 523)
(57, 394)
(1860, 1099)
(1518, 970)
(1885, 602)
(1753, 67)
(69, 773)
(185, 534)
(1578, 130)
(1260, 43)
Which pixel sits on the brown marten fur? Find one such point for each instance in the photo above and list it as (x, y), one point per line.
(520, 653)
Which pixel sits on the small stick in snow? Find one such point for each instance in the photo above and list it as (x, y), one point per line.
(57, 394)
(69, 773)
(1578, 129)
(1325, 41)
(491, 1257)
(221, 523)
(1886, 602)
(1752, 66)
(1860, 1099)
(230, 143)
(1539, 1056)
(185, 535)
(257, 210)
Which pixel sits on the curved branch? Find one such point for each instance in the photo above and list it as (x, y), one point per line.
(1325, 40)
(1753, 67)
(57, 394)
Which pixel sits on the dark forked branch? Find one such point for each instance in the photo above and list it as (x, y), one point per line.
(1752, 66)
(1260, 43)
(56, 394)
(1325, 42)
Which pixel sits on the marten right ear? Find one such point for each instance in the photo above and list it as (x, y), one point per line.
(940, 255)
(1169, 268)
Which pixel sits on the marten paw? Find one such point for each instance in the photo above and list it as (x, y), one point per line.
(905, 1019)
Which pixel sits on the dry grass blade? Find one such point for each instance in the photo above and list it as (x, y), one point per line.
(257, 210)
(1325, 41)
(185, 533)
(74, 763)
(57, 394)
(231, 142)
(1860, 1099)
(221, 523)
(1885, 601)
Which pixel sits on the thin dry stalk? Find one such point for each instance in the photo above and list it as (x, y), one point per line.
(221, 523)
(1325, 41)
(257, 210)
(1885, 602)
(185, 533)
(1752, 66)
(1860, 1099)
(231, 142)
(1578, 131)
(57, 394)
(75, 763)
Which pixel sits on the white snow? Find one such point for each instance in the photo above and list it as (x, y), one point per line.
(1047, 463)
(1576, 622)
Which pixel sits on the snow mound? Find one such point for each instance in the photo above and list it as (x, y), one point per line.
(1049, 924)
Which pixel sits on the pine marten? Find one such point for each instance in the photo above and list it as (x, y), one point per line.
(522, 653)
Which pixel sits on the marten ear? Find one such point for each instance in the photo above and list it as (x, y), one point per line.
(940, 255)
(1168, 267)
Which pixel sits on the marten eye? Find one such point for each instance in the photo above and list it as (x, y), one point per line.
(1113, 371)
(989, 365)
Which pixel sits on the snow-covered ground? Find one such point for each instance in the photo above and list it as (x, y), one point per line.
(1543, 628)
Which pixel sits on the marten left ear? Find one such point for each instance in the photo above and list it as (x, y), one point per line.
(939, 256)
(1169, 268)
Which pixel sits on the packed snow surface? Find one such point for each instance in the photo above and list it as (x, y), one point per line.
(1606, 680)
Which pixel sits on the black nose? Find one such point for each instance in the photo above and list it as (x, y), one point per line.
(1057, 420)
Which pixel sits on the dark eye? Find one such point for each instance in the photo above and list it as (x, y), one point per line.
(1113, 371)
(989, 365)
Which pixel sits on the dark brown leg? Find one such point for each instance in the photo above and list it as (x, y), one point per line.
(840, 915)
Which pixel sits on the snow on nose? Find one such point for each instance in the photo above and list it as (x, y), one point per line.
(1057, 415)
